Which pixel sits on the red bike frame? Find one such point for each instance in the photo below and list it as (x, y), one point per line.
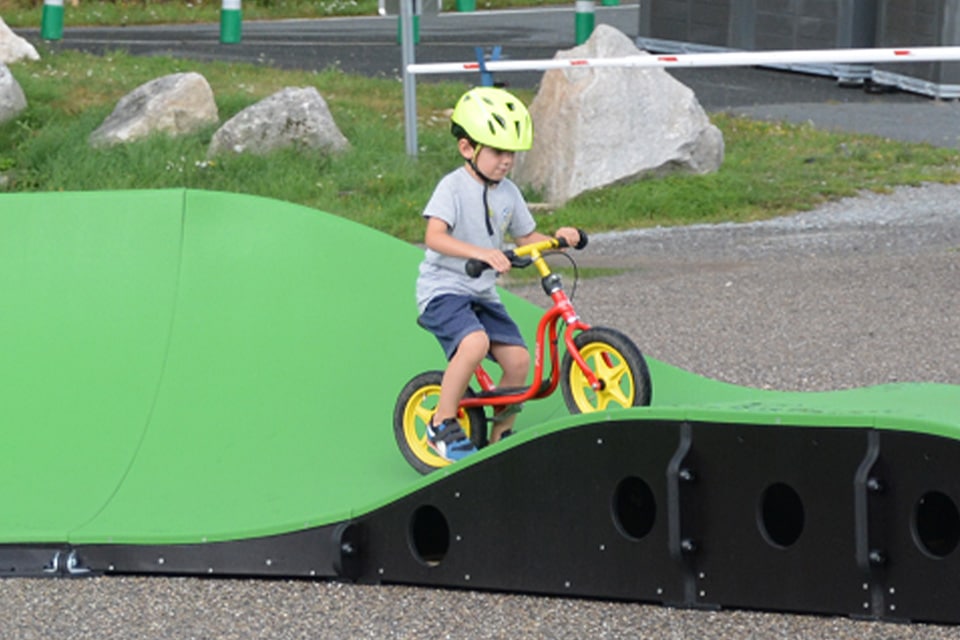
(562, 309)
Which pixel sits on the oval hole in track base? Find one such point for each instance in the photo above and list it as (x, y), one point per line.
(429, 535)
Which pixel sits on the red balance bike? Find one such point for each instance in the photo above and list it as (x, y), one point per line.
(602, 369)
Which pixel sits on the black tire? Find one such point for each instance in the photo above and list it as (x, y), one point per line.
(415, 405)
(626, 378)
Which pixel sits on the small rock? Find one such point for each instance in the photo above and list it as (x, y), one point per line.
(599, 126)
(175, 104)
(293, 116)
(12, 99)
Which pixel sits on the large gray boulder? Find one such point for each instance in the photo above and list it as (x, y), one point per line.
(599, 126)
(175, 104)
(12, 100)
(294, 116)
(14, 48)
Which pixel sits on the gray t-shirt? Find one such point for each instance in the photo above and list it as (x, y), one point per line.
(458, 201)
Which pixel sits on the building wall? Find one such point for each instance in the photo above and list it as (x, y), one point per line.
(757, 25)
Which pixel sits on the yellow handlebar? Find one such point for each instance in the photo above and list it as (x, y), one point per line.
(534, 249)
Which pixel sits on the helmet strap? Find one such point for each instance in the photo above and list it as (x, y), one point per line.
(487, 214)
(473, 165)
(487, 183)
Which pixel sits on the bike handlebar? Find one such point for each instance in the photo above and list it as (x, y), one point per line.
(475, 267)
(519, 257)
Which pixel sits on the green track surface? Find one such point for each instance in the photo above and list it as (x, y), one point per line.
(186, 366)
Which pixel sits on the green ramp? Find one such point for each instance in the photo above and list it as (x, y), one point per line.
(185, 366)
(89, 284)
(198, 382)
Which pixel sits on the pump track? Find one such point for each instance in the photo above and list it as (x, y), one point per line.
(201, 383)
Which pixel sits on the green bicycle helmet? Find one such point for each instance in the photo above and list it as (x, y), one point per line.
(494, 118)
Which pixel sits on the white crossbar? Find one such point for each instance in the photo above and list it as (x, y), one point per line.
(722, 59)
(725, 59)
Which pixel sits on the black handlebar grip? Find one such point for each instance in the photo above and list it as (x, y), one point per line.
(475, 267)
(563, 244)
(583, 239)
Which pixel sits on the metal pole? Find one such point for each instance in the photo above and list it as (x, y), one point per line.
(51, 21)
(409, 79)
(583, 20)
(230, 21)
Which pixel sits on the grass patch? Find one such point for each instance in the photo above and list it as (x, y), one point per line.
(770, 168)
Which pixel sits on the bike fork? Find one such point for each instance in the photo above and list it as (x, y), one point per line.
(595, 383)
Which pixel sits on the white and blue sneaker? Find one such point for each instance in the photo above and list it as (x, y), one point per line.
(449, 441)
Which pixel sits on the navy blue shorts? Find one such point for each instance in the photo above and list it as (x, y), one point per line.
(451, 318)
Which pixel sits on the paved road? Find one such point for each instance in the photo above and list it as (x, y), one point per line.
(365, 45)
(368, 45)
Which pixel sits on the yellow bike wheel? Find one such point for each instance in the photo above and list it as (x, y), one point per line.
(416, 404)
(617, 363)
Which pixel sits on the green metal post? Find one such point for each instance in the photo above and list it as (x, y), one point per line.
(583, 20)
(51, 24)
(415, 20)
(230, 22)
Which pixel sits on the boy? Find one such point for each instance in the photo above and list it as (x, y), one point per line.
(468, 215)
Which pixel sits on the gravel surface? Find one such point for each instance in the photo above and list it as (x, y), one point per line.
(858, 292)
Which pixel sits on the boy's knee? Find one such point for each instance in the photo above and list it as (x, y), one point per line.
(476, 344)
(522, 359)
(514, 359)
